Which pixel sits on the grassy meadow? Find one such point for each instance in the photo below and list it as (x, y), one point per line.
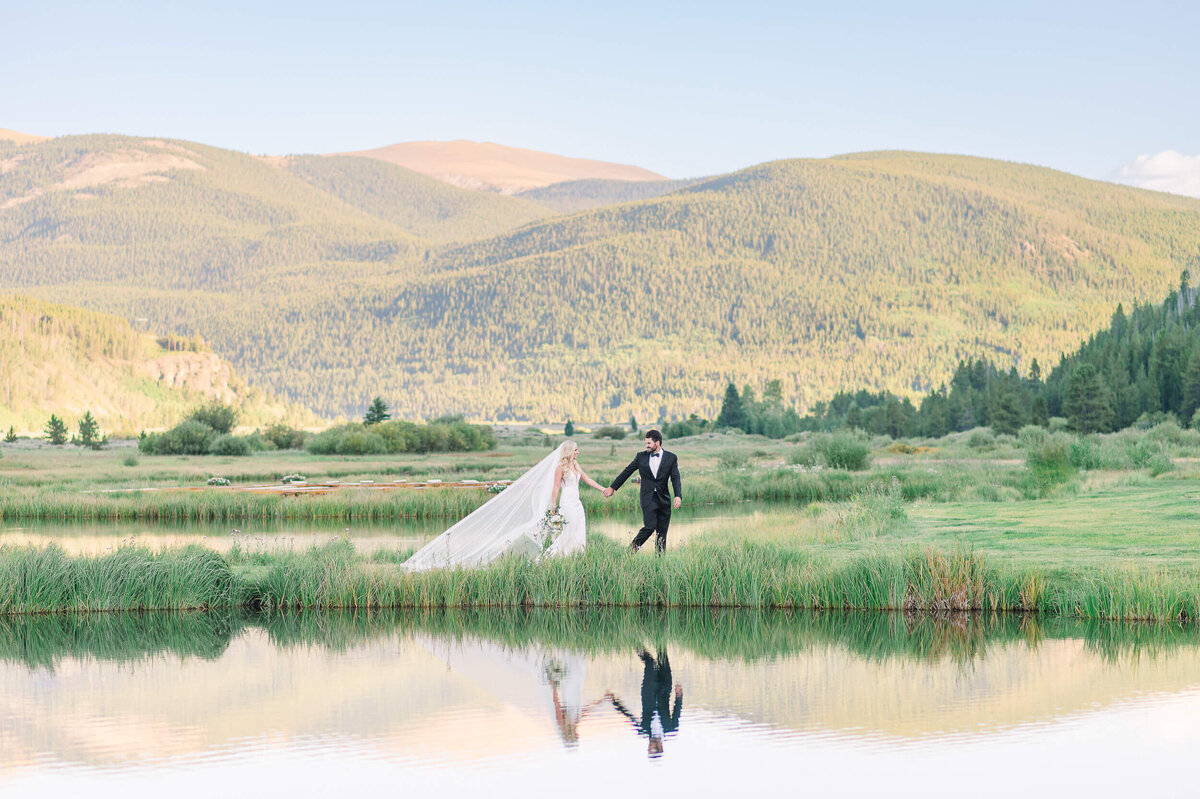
(1096, 527)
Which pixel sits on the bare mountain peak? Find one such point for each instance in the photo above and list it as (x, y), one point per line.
(487, 166)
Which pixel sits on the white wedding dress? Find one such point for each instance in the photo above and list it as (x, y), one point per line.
(510, 524)
(574, 533)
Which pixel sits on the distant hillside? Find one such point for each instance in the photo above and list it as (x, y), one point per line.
(19, 138)
(63, 360)
(572, 196)
(485, 166)
(875, 270)
(414, 202)
(170, 215)
(879, 270)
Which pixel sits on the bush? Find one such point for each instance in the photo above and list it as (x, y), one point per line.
(186, 438)
(1031, 436)
(1058, 424)
(1050, 462)
(130, 460)
(845, 450)
(229, 445)
(981, 438)
(1167, 431)
(1161, 463)
(732, 459)
(216, 415)
(615, 433)
(258, 442)
(285, 436)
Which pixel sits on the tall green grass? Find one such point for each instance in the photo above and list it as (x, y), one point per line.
(790, 485)
(734, 574)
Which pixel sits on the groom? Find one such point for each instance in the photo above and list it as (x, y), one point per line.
(656, 466)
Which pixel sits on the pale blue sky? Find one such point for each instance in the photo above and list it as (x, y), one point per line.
(681, 88)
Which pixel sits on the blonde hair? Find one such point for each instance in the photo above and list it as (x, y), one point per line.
(568, 459)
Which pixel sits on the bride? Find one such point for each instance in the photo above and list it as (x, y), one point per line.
(511, 523)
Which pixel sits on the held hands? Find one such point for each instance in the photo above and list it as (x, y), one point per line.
(608, 492)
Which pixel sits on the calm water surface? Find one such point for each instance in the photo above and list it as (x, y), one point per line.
(593, 704)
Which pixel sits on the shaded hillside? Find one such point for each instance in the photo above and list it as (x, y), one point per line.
(63, 360)
(579, 195)
(485, 166)
(413, 202)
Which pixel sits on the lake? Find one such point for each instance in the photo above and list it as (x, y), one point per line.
(509, 703)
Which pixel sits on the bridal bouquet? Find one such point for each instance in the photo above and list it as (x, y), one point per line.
(551, 527)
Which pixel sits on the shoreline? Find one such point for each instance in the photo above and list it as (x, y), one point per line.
(742, 575)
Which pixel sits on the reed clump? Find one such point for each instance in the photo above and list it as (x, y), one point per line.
(736, 574)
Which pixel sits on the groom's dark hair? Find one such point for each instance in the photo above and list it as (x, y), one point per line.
(654, 435)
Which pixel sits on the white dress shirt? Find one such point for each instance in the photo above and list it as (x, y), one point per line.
(655, 460)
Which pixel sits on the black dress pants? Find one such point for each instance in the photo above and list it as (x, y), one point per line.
(656, 518)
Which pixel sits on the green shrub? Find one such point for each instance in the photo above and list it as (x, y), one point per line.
(1167, 431)
(1161, 463)
(130, 460)
(615, 433)
(1050, 463)
(1058, 424)
(981, 438)
(186, 438)
(1030, 436)
(285, 436)
(805, 455)
(847, 451)
(216, 415)
(229, 445)
(360, 442)
(733, 459)
(258, 442)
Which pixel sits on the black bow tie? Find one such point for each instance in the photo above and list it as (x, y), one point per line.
(655, 454)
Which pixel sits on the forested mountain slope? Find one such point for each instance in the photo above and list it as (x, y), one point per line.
(880, 270)
(414, 202)
(66, 361)
(169, 214)
(877, 270)
(571, 196)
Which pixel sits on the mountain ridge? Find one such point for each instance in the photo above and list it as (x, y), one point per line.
(487, 166)
(878, 270)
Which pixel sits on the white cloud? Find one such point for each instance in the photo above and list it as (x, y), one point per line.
(1166, 171)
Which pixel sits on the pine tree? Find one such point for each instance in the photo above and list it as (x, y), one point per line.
(1008, 414)
(89, 433)
(633, 427)
(1087, 402)
(377, 412)
(12, 435)
(733, 413)
(56, 431)
(569, 429)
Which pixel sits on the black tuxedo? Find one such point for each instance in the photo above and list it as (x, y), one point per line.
(656, 498)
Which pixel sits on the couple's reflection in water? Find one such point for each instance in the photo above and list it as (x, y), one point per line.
(662, 700)
(545, 680)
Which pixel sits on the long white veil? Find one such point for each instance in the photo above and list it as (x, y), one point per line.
(509, 523)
